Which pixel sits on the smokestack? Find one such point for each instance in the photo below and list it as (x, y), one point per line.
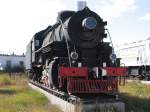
(81, 5)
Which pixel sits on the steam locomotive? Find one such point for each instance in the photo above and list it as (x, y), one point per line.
(72, 56)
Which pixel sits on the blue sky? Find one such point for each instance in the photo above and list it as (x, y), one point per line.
(128, 20)
(132, 26)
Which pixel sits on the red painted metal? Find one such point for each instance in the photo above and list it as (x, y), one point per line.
(73, 71)
(92, 86)
(116, 71)
(78, 82)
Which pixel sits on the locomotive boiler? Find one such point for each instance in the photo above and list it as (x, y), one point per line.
(72, 56)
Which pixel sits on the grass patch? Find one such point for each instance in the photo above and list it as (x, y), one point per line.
(136, 97)
(16, 96)
(5, 80)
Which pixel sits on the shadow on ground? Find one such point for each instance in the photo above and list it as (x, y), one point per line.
(7, 91)
(135, 103)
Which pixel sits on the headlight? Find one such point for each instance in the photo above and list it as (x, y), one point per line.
(89, 23)
(113, 57)
(74, 55)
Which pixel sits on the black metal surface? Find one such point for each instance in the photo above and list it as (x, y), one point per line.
(75, 32)
(64, 15)
(69, 34)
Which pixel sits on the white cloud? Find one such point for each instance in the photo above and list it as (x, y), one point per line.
(115, 8)
(21, 19)
(145, 17)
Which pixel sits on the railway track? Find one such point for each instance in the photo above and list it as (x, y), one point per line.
(78, 98)
(69, 98)
(82, 103)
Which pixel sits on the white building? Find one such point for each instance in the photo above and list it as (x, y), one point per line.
(135, 53)
(11, 60)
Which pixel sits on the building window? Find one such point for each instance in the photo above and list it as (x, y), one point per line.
(137, 58)
(8, 63)
(21, 63)
(140, 58)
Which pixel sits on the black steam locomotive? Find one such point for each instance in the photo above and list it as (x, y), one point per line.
(72, 56)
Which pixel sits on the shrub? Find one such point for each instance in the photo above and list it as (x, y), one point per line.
(15, 69)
